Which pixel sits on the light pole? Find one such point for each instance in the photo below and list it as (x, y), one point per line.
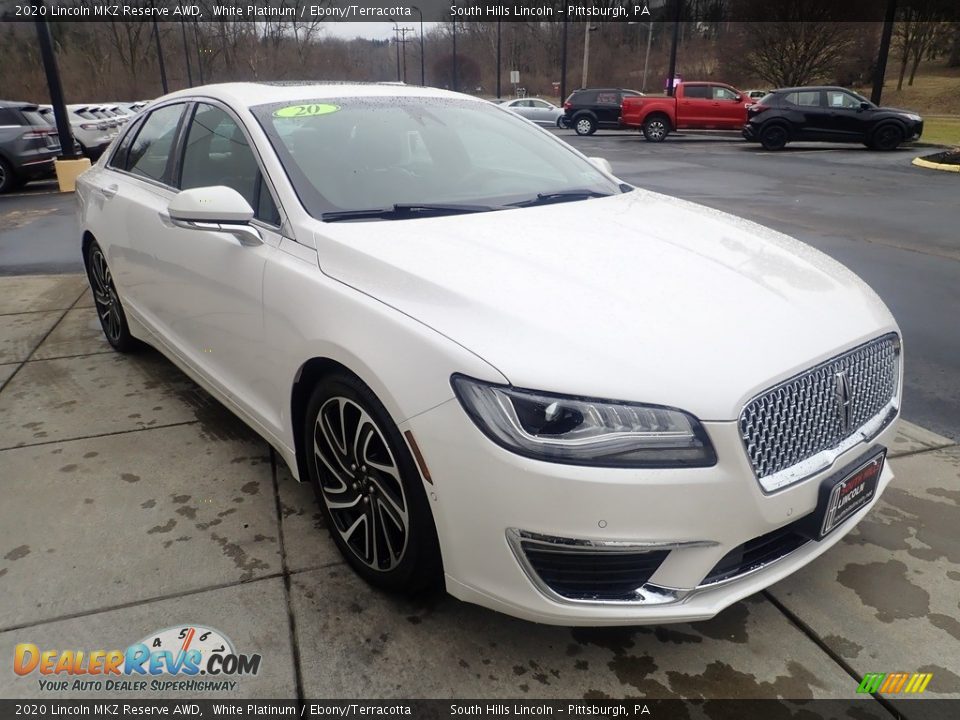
(196, 39)
(423, 74)
(67, 148)
(677, 7)
(563, 63)
(881, 70)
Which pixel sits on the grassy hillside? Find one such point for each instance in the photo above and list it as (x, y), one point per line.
(935, 90)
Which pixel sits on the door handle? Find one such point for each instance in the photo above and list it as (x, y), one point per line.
(109, 191)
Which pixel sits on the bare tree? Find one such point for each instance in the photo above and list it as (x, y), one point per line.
(795, 53)
(920, 33)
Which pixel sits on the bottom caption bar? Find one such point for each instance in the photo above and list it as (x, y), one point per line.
(863, 708)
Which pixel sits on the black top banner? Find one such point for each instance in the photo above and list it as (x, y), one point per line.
(312, 11)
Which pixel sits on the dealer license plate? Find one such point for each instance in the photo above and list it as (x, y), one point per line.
(841, 498)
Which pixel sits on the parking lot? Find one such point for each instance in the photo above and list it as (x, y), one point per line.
(133, 502)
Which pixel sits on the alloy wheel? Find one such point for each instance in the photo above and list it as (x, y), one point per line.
(583, 126)
(361, 487)
(656, 129)
(105, 296)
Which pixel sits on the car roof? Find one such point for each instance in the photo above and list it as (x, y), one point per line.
(812, 87)
(18, 105)
(248, 94)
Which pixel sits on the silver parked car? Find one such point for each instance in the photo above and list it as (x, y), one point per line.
(535, 109)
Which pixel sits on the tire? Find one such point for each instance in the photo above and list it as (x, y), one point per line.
(886, 137)
(774, 137)
(584, 125)
(112, 318)
(377, 489)
(9, 180)
(656, 128)
(561, 122)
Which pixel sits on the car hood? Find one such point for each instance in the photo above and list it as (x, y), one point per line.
(638, 296)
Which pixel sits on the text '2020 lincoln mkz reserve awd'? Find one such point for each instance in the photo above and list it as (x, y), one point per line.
(504, 370)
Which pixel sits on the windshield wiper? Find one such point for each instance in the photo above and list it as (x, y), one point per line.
(560, 196)
(404, 211)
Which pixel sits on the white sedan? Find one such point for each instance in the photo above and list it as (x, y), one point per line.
(506, 372)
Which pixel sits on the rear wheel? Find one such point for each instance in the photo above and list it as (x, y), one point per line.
(886, 137)
(774, 137)
(585, 125)
(9, 180)
(656, 128)
(112, 318)
(369, 488)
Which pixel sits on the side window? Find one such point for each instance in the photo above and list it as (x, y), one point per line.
(805, 98)
(697, 92)
(722, 93)
(149, 153)
(8, 117)
(608, 98)
(217, 153)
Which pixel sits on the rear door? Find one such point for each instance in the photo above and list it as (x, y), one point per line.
(811, 118)
(694, 106)
(607, 108)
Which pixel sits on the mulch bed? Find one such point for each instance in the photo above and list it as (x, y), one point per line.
(948, 157)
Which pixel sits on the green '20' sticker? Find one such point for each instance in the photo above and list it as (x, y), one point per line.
(296, 111)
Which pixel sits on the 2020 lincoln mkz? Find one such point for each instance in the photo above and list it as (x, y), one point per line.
(503, 369)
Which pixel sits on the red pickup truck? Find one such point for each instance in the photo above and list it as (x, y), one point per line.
(695, 106)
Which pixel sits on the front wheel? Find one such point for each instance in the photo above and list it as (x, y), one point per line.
(369, 488)
(656, 129)
(886, 137)
(112, 318)
(562, 122)
(585, 125)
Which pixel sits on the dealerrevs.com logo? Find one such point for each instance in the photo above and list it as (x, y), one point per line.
(189, 658)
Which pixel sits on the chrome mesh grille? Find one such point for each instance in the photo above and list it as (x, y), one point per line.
(803, 416)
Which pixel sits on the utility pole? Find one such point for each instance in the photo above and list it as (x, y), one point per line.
(186, 52)
(67, 147)
(196, 39)
(646, 60)
(163, 69)
(563, 62)
(455, 82)
(423, 74)
(400, 37)
(677, 7)
(881, 69)
(587, 29)
(498, 59)
(396, 44)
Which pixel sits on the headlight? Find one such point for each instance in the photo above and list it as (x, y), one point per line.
(912, 116)
(584, 431)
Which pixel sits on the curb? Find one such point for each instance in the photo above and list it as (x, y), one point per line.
(920, 162)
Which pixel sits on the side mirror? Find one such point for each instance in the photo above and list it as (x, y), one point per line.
(865, 106)
(214, 209)
(601, 164)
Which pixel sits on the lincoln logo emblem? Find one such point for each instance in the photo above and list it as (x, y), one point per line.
(841, 391)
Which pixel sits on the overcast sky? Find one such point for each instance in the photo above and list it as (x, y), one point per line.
(372, 30)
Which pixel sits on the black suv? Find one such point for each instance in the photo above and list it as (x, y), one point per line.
(588, 109)
(828, 114)
(28, 145)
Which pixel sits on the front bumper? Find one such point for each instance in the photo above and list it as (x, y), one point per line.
(481, 492)
(749, 132)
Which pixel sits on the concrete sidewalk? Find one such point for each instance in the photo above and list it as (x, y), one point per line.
(133, 502)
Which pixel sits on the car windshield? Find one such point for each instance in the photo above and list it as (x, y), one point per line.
(376, 153)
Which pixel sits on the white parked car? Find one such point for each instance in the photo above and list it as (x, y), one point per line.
(535, 109)
(503, 369)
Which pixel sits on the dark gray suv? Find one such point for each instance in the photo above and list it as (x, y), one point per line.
(28, 145)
